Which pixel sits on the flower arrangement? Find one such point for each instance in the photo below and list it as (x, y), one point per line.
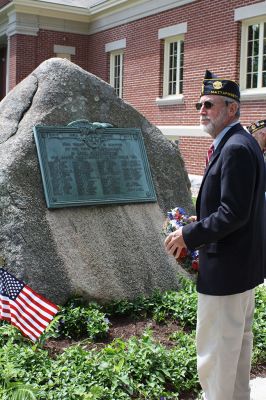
(177, 217)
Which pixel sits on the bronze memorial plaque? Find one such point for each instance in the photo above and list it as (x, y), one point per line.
(91, 163)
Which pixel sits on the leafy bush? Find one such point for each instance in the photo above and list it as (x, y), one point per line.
(259, 326)
(78, 321)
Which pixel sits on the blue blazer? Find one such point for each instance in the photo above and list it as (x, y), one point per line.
(230, 217)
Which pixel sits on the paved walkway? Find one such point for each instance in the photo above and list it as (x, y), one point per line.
(258, 385)
(258, 389)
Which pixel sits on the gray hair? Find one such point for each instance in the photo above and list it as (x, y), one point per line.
(230, 100)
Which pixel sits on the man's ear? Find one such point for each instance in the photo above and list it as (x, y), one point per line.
(233, 108)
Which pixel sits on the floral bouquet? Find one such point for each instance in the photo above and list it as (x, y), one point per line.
(177, 217)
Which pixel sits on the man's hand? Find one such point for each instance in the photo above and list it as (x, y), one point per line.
(174, 243)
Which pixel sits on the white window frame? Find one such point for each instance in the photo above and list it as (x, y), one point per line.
(171, 34)
(250, 15)
(113, 55)
(166, 78)
(116, 48)
(259, 92)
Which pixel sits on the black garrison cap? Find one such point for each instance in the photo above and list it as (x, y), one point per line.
(222, 87)
(256, 126)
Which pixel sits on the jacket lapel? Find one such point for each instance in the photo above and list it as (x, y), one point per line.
(215, 156)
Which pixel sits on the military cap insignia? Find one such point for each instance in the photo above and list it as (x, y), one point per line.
(217, 85)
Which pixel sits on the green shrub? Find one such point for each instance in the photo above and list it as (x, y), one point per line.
(78, 321)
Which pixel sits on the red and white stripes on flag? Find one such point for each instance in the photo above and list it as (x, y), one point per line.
(23, 307)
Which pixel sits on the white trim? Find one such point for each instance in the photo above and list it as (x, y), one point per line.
(117, 45)
(253, 94)
(254, 10)
(49, 9)
(173, 30)
(64, 49)
(22, 24)
(3, 27)
(185, 130)
(131, 13)
(63, 25)
(170, 100)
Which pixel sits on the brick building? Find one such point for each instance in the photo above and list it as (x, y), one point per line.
(153, 52)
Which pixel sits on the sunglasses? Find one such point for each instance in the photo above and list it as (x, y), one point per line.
(208, 104)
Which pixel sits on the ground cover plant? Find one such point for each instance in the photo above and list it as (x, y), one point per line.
(89, 351)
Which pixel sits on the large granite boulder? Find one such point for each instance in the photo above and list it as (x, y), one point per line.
(98, 252)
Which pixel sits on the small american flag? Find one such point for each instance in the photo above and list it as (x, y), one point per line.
(23, 307)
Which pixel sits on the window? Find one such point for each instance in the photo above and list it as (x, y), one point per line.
(253, 50)
(173, 66)
(255, 71)
(173, 70)
(116, 71)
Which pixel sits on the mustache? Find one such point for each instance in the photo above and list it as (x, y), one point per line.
(204, 118)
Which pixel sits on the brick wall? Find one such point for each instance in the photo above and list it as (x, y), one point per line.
(4, 2)
(216, 47)
(212, 41)
(194, 151)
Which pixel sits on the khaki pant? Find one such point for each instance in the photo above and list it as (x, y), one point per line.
(224, 345)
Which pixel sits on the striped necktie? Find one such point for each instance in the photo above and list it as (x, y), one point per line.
(209, 154)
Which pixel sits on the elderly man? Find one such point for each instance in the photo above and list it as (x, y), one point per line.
(228, 233)
(258, 130)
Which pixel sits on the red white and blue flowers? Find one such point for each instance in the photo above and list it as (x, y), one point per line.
(176, 218)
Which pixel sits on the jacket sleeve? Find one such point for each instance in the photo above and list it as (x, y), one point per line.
(237, 183)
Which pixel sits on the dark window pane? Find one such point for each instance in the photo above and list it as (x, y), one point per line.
(170, 62)
(174, 88)
(174, 62)
(256, 31)
(175, 48)
(264, 63)
(255, 64)
(171, 48)
(256, 48)
(250, 48)
(249, 64)
(250, 32)
(181, 87)
(181, 60)
(174, 74)
(170, 75)
(248, 81)
(264, 79)
(254, 80)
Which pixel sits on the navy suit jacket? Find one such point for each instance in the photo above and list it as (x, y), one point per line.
(230, 215)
